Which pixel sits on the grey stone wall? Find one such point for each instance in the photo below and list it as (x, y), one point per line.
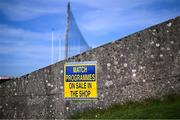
(144, 64)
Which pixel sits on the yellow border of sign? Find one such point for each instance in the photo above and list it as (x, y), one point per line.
(80, 64)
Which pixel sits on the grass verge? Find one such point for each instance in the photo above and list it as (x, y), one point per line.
(167, 107)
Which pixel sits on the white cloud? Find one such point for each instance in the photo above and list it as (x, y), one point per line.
(24, 37)
(21, 44)
(19, 10)
(118, 15)
(112, 4)
(100, 20)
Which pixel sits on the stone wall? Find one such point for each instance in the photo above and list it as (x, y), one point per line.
(144, 64)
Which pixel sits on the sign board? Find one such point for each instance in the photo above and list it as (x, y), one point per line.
(80, 80)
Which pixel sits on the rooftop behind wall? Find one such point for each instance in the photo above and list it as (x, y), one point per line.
(144, 64)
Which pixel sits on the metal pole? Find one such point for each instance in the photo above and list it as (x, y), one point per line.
(60, 47)
(52, 47)
(67, 30)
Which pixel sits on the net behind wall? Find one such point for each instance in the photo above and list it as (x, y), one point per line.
(76, 42)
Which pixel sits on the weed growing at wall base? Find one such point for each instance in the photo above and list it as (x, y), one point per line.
(167, 107)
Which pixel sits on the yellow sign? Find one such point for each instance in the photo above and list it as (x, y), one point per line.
(80, 80)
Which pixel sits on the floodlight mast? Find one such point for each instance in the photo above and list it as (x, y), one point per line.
(60, 49)
(52, 46)
(67, 30)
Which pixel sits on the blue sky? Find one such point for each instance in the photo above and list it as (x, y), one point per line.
(25, 26)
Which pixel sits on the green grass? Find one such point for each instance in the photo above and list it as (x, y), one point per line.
(167, 107)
